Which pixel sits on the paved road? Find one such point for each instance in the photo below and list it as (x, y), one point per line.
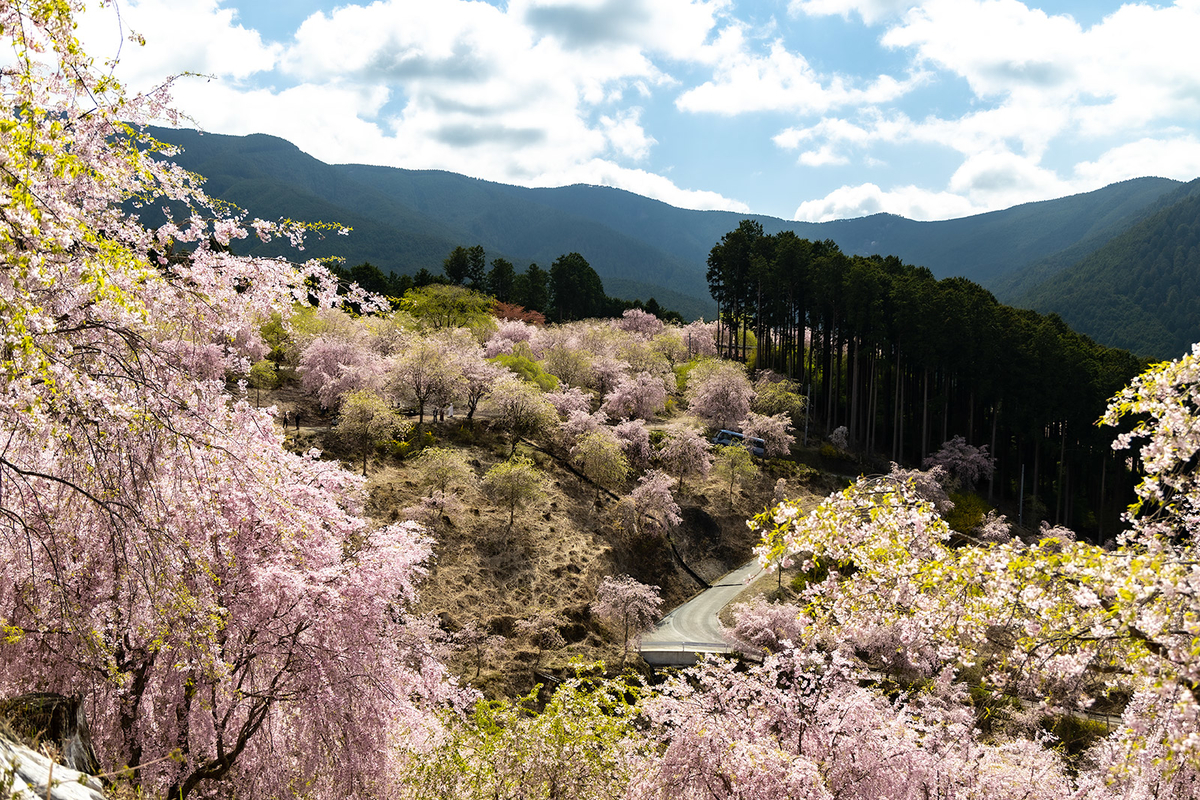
(694, 627)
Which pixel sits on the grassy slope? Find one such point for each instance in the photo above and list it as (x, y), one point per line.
(555, 555)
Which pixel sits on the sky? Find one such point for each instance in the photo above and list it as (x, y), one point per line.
(800, 109)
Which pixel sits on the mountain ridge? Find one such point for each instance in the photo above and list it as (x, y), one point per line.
(407, 220)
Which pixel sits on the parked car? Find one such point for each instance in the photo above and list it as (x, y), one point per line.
(726, 438)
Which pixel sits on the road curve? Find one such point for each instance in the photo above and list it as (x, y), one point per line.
(694, 627)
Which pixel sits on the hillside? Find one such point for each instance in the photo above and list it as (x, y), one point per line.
(1141, 290)
(558, 551)
(405, 220)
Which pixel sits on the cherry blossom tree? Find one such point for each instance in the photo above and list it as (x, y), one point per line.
(801, 725)
(631, 606)
(993, 528)
(635, 442)
(332, 367)
(478, 377)
(209, 593)
(650, 509)
(579, 424)
(760, 627)
(607, 372)
(1166, 401)
(685, 452)
(700, 338)
(840, 438)
(569, 400)
(639, 322)
(429, 370)
(773, 430)
(719, 392)
(508, 333)
(640, 396)
(965, 463)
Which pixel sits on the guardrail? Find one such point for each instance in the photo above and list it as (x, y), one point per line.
(675, 654)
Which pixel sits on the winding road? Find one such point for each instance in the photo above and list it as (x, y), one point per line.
(694, 627)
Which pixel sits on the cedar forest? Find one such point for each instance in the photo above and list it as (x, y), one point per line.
(240, 614)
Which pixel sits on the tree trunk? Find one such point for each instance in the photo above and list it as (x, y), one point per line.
(925, 418)
(992, 453)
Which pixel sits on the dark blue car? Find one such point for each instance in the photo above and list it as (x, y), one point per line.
(755, 445)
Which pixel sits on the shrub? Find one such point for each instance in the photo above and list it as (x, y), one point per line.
(968, 512)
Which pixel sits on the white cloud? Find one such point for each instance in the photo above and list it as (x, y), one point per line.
(181, 36)
(1177, 158)
(679, 29)
(626, 134)
(998, 180)
(870, 11)
(1121, 74)
(823, 156)
(863, 200)
(784, 81)
(530, 93)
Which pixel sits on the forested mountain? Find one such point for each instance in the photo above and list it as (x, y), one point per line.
(905, 361)
(1141, 290)
(405, 220)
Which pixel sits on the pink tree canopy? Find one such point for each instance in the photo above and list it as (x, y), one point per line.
(161, 554)
(631, 606)
(719, 392)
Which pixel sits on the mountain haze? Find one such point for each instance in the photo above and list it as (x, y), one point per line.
(406, 220)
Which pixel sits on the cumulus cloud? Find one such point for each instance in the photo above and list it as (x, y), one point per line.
(1177, 158)
(863, 200)
(1039, 83)
(785, 81)
(870, 11)
(214, 43)
(1120, 74)
(679, 29)
(533, 92)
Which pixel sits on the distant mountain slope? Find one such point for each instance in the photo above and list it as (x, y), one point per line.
(531, 227)
(1141, 290)
(405, 220)
(1013, 285)
(982, 248)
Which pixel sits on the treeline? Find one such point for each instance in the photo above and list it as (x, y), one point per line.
(570, 290)
(906, 361)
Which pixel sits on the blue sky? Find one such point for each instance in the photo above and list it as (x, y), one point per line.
(808, 109)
